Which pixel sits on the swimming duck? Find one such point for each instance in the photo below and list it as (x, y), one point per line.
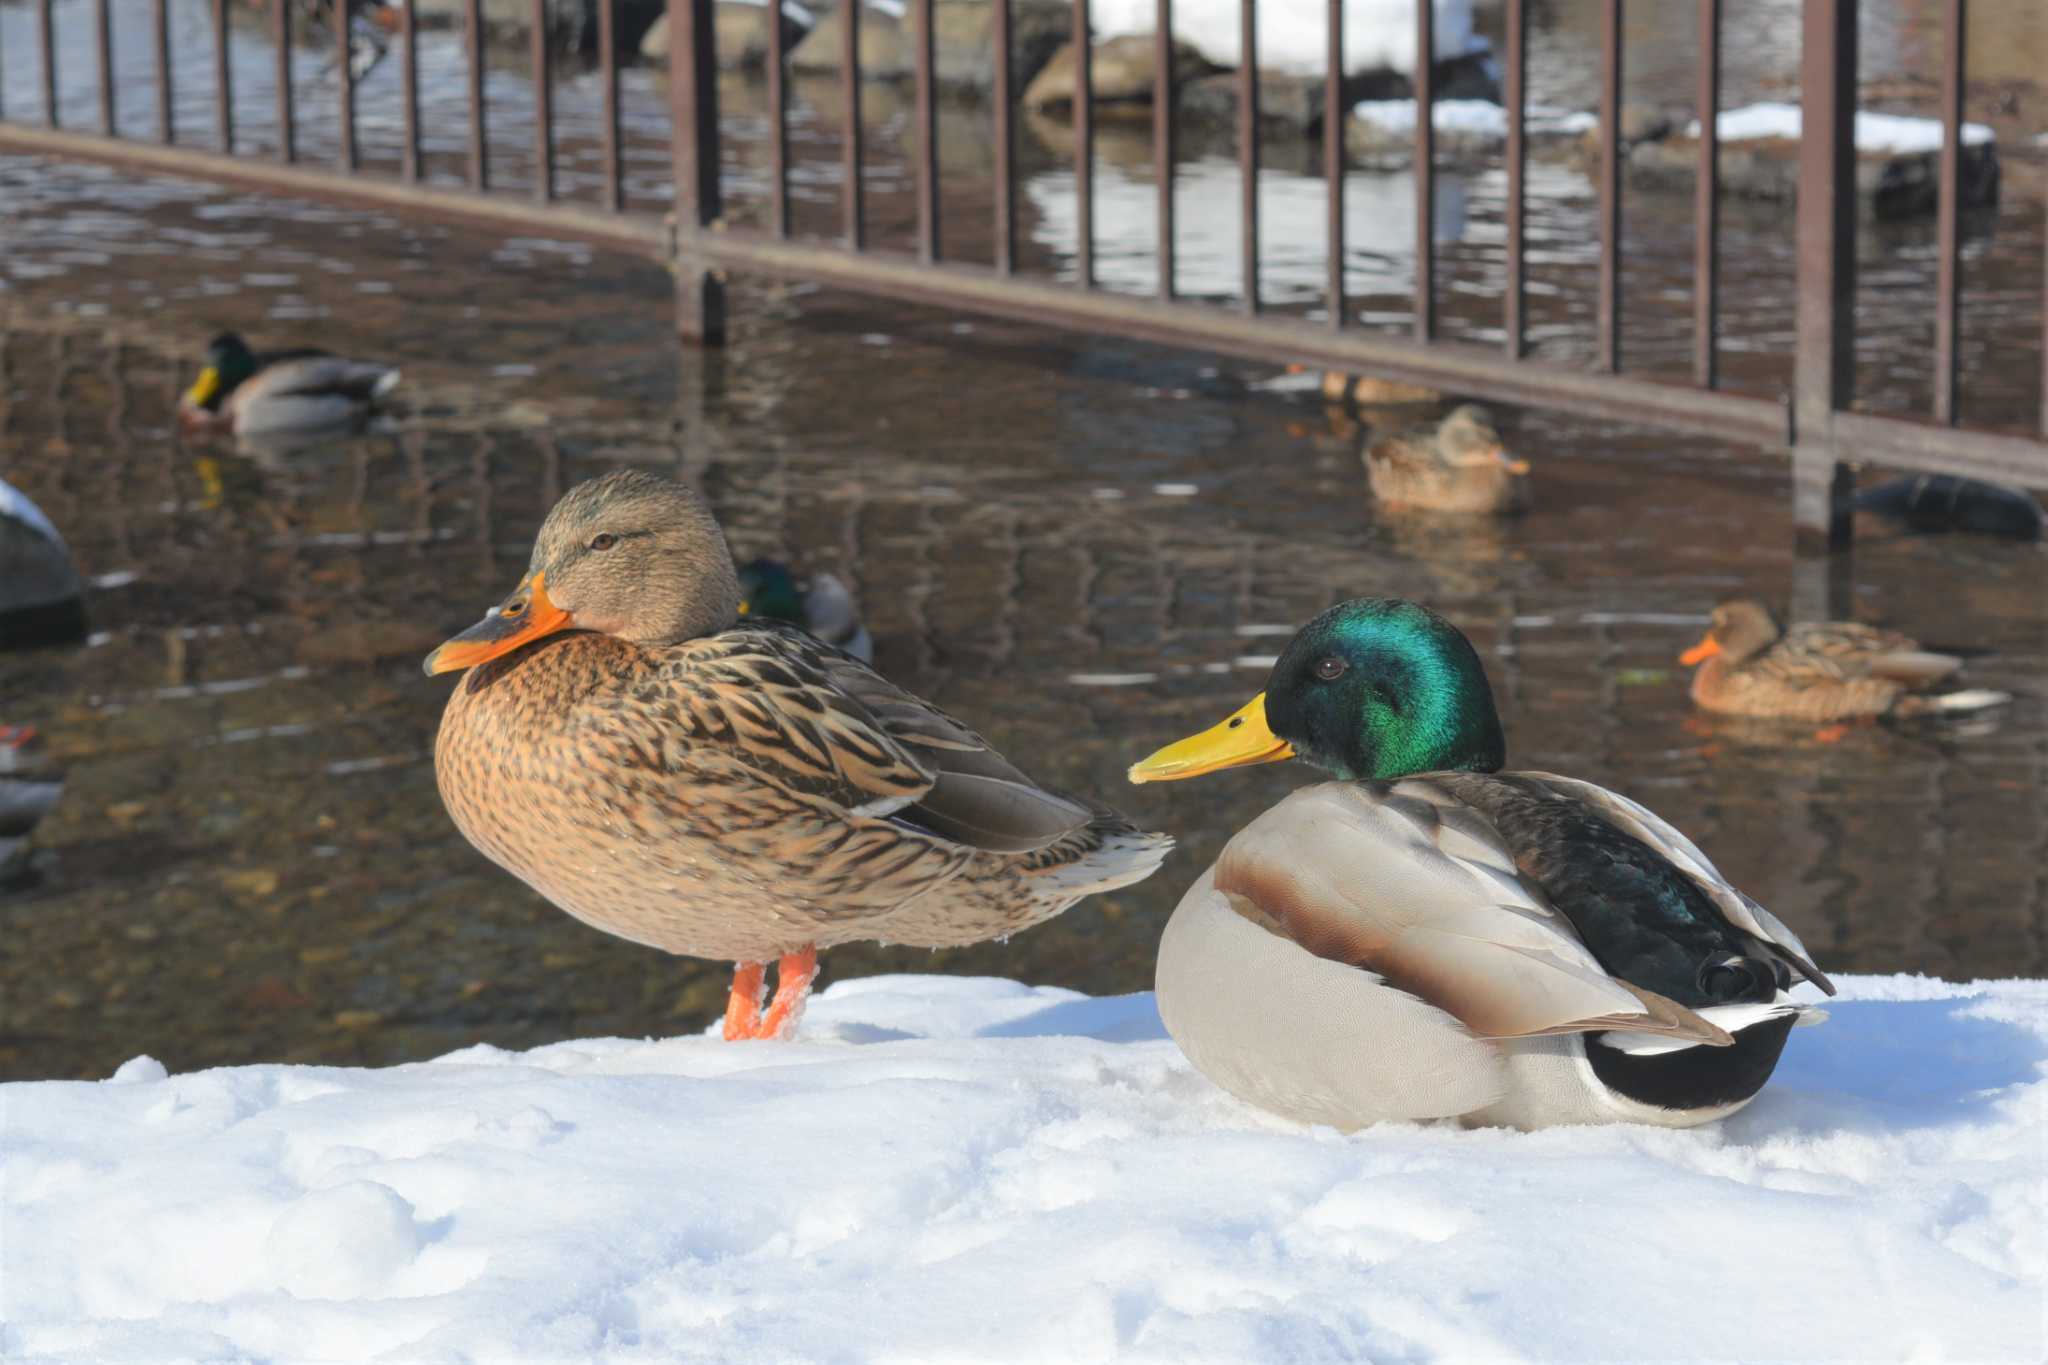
(1430, 937)
(1456, 465)
(824, 606)
(1817, 672)
(42, 599)
(1948, 502)
(29, 787)
(664, 770)
(277, 392)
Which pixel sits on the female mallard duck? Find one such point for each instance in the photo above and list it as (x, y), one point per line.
(1430, 937)
(280, 392)
(664, 771)
(42, 599)
(1818, 672)
(824, 606)
(1456, 465)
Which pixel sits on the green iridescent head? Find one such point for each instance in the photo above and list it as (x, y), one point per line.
(767, 589)
(1374, 688)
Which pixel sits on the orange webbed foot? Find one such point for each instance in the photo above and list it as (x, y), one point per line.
(743, 1006)
(793, 977)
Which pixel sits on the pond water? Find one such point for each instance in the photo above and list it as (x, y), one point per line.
(1080, 546)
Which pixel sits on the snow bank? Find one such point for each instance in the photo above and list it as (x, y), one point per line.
(1893, 133)
(1293, 35)
(949, 1169)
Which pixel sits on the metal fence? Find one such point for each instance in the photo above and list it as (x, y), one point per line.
(1814, 420)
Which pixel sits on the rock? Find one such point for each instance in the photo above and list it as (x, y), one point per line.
(1380, 134)
(1294, 102)
(1944, 502)
(1898, 161)
(740, 35)
(963, 59)
(1121, 72)
(572, 24)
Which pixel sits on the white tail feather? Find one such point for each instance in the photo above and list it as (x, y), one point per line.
(385, 384)
(1733, 1018)
(1969, 699)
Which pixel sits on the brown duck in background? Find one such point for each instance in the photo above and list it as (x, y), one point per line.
(1456, 465)
(737, 790)
(1818, 672)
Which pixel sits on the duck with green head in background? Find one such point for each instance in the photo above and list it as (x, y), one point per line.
(280, 393)
(1428, 936)
(824, 606)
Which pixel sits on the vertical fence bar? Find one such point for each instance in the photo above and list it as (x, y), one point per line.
(1514, 315)
(1607, 352)
(1824, 365)
(1248, 148)
(103, 46)
(1084, 148)
(473, 42)
(46, 44)
(1162, 139)
(849, 79)
(1948, 281)
(409, 84)
(1333, 160)
(1006, 141)
(160, 39)
(544, 106)
(281, 39)
(344, 91)
(1425, 170)
(1706, 204)
(927, 139)
(778, 125)
(693, 144)
(223, 79)
(614, 198)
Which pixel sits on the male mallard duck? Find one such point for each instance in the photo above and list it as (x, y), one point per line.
(1430, 937)
(29, 786)
(1456, 465)
(1818, 672)
(42, 600)
(661, 769)
(1948, 502)
(824, 606)
(276, 392)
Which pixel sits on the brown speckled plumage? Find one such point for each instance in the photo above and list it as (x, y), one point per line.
(1816, 672)
(1456, 465)
(740, 792)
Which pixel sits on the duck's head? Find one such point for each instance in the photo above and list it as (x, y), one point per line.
(1467, 439)
(229, 361)
(1374, 688)
(1738, 630)
(630, 554)
(768, 589)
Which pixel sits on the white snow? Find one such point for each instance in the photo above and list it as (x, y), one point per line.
(1894, 133)
(956, 1169)
(1480, 117)
(1293, 35)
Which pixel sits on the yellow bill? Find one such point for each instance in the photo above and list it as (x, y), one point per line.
(203, 388)
(524, 616)
(1243, 738)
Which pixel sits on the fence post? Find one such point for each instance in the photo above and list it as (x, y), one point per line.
(693, 141)
(1824, 366)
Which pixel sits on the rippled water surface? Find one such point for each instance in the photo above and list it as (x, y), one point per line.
(1082, 547)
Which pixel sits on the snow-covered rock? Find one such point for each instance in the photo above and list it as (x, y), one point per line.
(1878, 133)
(955, 1169)
(1293, 35)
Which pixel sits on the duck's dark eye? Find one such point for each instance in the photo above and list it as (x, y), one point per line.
(1330, 669)
(603, 540)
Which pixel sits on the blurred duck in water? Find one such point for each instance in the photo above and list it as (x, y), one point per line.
(1944, 502)
(728, 787)
(824, 606)
(1428, 936)
(1819, 672)
(42, 599)
(29, 786)
(1456, 465)
(281, 393)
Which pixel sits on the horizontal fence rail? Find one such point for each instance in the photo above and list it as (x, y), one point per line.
(1815, 419)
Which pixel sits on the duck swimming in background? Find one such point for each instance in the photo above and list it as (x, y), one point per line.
(42, 598)
(824, 606)
(1456, 465)
(665, 770)
(29, 786)
(1818, 672)
(1428, 936)
(281, 392)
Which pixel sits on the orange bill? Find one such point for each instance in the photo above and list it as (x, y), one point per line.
(1243, 738)
(525, 615)
(1706, 649)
